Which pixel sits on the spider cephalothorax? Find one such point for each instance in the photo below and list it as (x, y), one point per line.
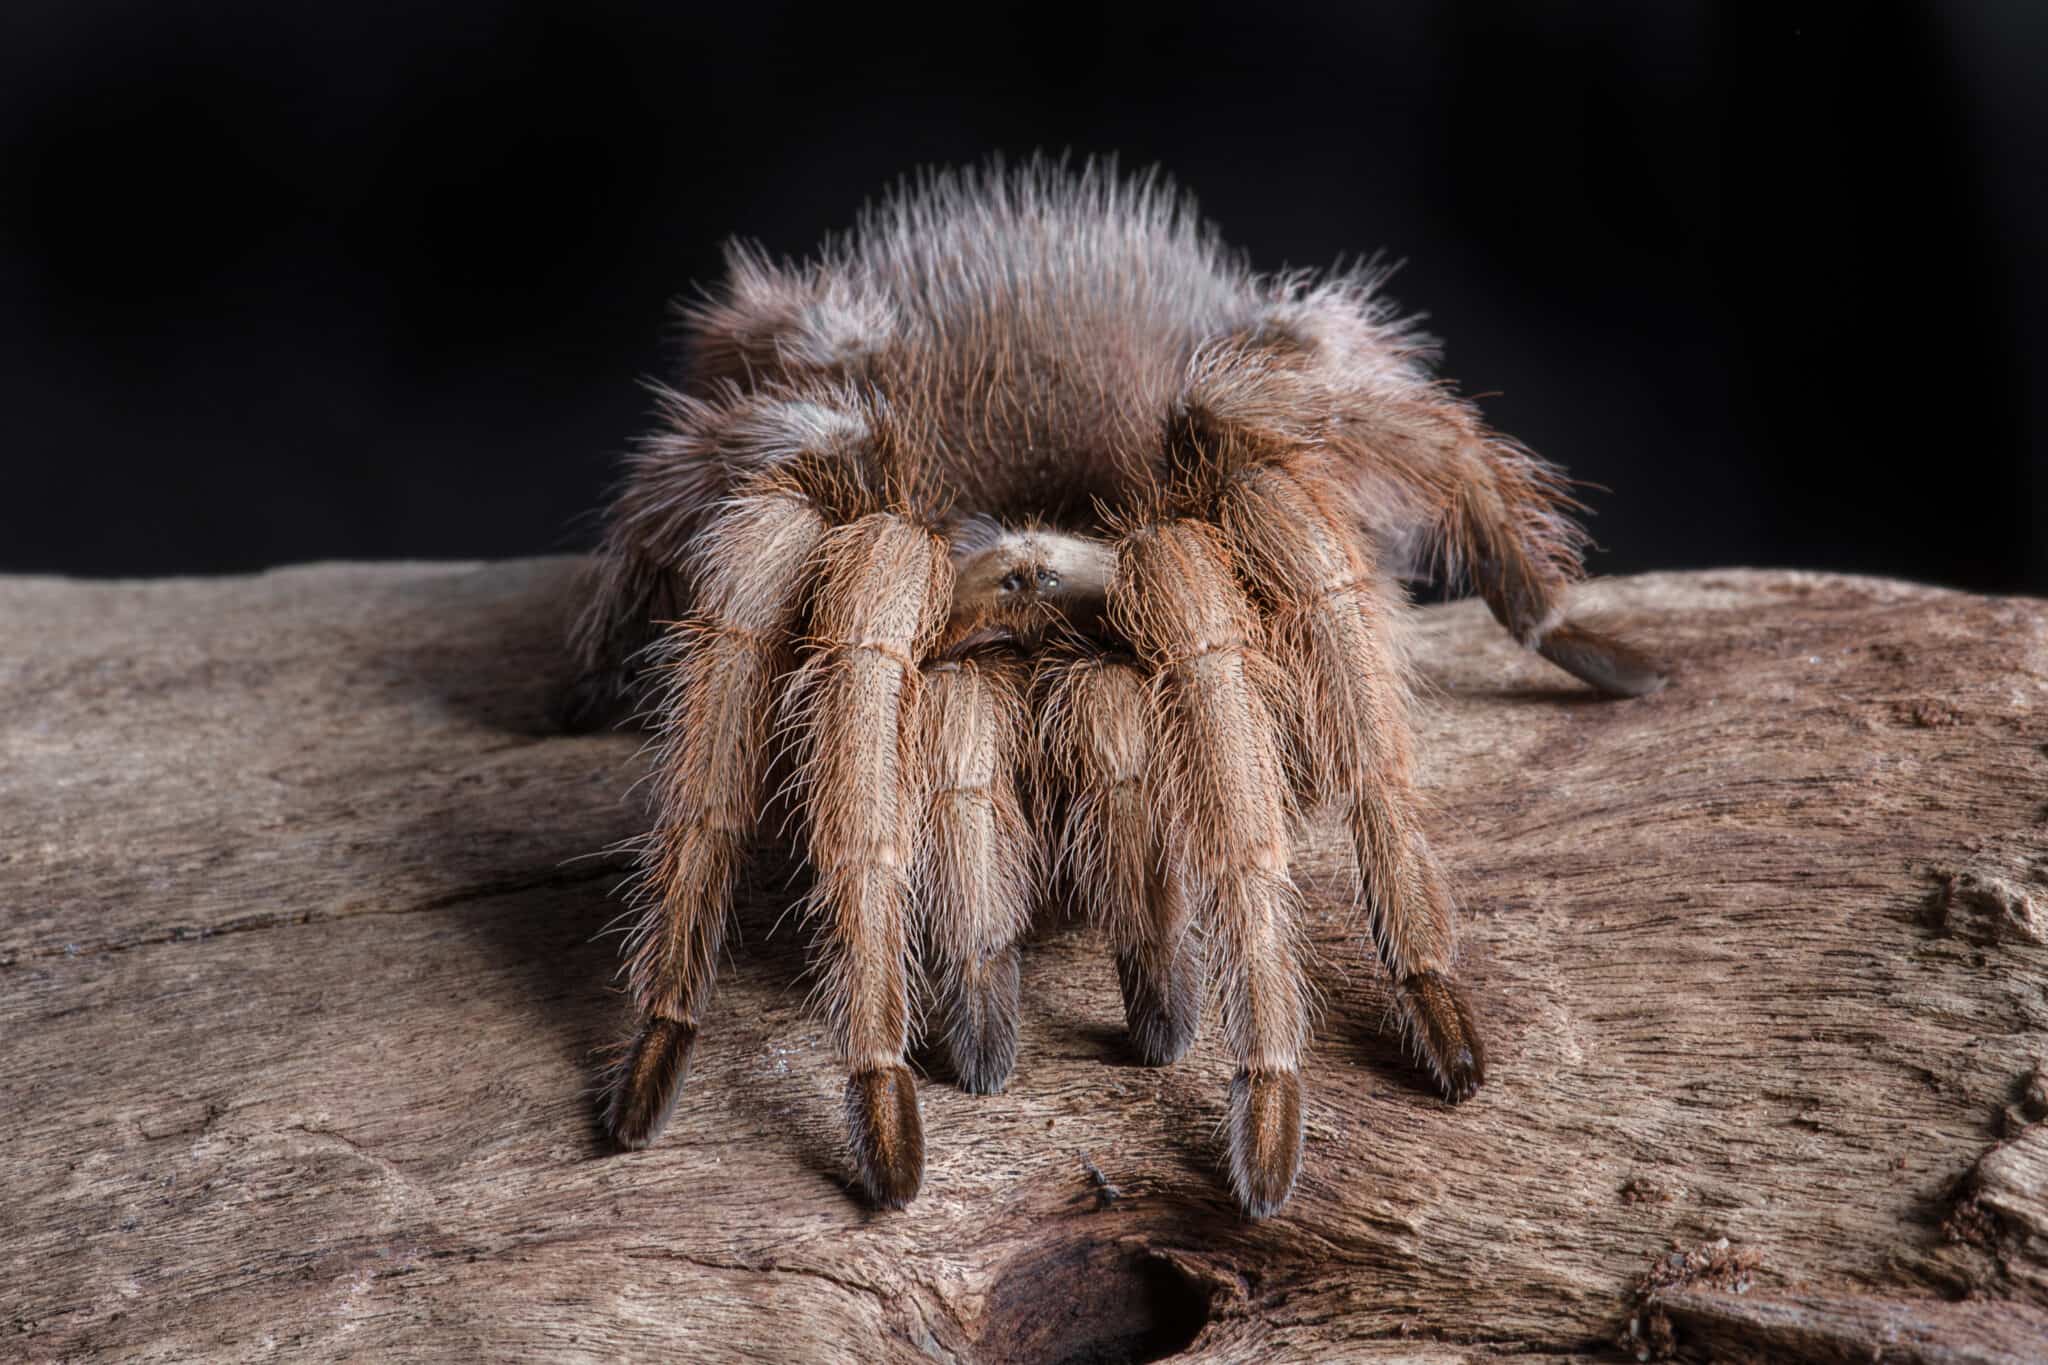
(1025, 529)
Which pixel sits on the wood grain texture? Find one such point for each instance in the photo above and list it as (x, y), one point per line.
(303, 998)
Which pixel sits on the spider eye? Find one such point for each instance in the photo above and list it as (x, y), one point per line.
(1013, 583)
(1047, 580)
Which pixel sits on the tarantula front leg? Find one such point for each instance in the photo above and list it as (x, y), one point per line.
(1174, 598)
(1330, 612)
(752, 566)
(1101, 732)
(979, 865)
(883, 592)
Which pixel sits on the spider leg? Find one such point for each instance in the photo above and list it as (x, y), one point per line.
(1175, 599)
(634, 581)
(883, 591)
(630, 594)
(709, 446)
(753, 564)
(1504, 528)
(1424, 469)
(1505, 518)
(1101, 732)
(1331, 612)
(978, 865)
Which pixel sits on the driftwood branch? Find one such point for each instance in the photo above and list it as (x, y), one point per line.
(302, 993)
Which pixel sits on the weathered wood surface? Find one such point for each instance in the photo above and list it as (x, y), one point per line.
(301, 993)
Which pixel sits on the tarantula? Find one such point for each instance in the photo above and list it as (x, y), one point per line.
(1025, 531)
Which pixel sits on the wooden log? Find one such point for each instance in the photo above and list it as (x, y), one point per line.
(303, 995)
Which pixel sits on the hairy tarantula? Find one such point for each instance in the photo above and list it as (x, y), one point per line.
(1023, 531)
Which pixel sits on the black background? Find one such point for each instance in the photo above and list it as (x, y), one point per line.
(285, 283)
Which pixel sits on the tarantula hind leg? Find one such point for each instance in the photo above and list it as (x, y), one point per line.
(631, 598)
(979, 862)
(1600, 660)
(1161, 982)
(650, 1081)
(717, 674)
(1102, 744)
(1332, 610)
(589, 701)
(1525, 588)
(886, 1135)
(978, 1017)
(1440, 1021)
